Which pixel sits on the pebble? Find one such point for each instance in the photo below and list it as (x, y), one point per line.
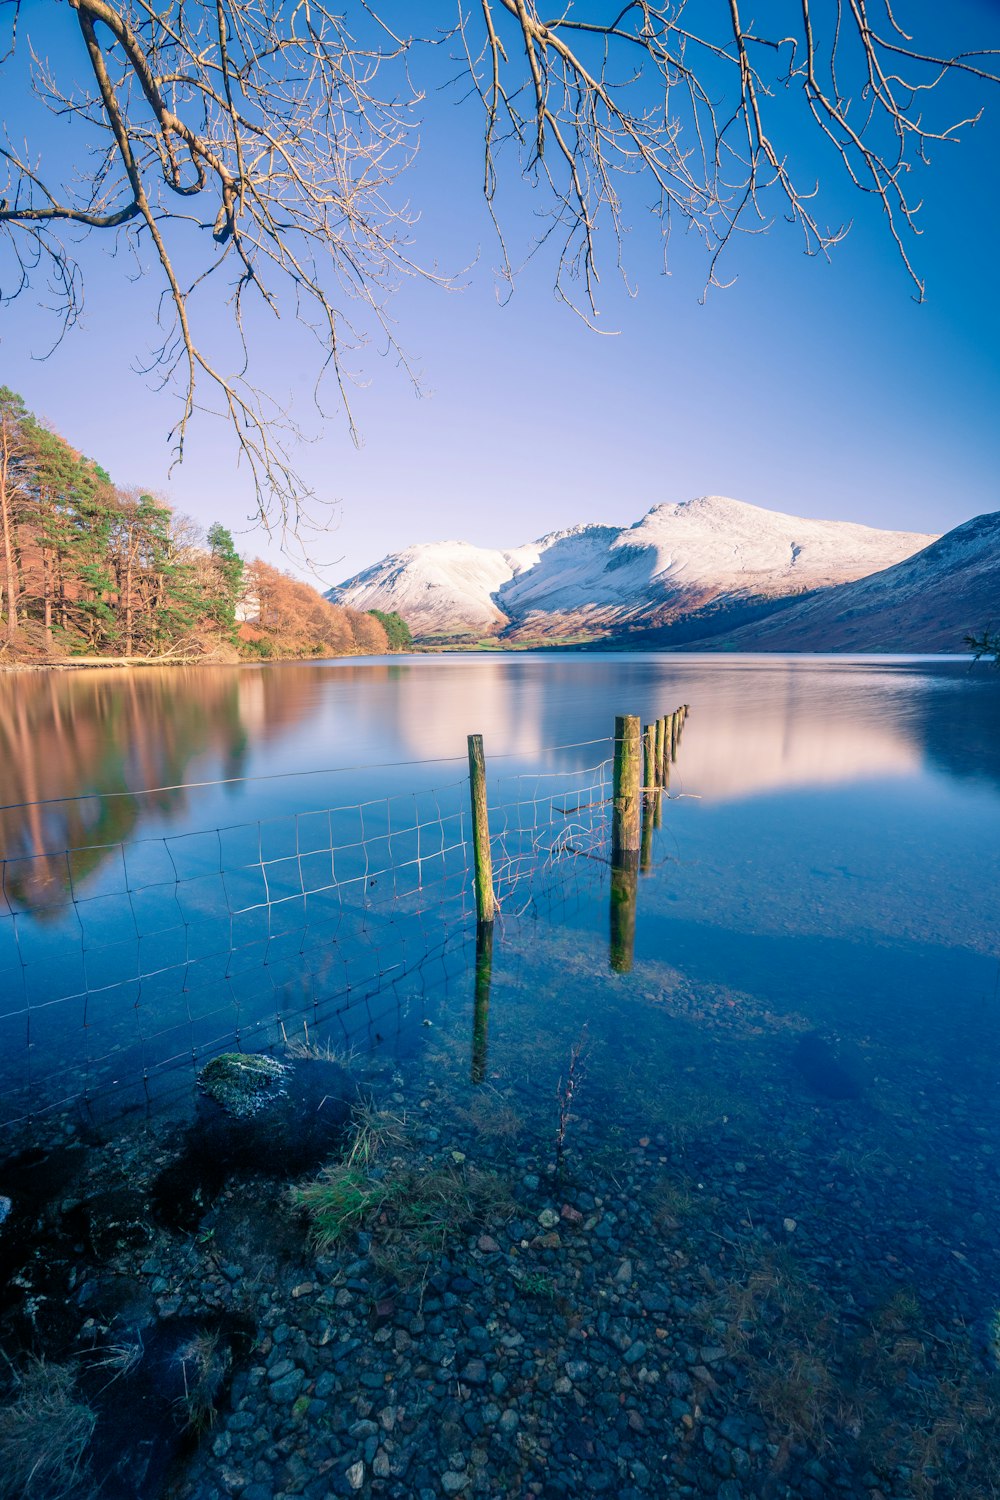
(288, 1388)
(521, 1362)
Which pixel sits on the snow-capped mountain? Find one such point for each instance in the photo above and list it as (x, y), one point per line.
(926, 603)
(695, 559)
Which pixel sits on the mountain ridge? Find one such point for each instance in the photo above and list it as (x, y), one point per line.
(591, 581)
(926, 602)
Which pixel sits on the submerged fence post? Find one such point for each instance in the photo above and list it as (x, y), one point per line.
(481, 1011)
(481, 852)
(661, 734)
(675, 727)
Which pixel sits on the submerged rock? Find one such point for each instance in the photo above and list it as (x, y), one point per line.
(835, 1072)
(243, 1082)
(307, 1114)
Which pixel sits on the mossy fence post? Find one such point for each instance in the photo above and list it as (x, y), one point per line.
(626, 840)
(482, 856)
(649, 768)
(650, 795)
(627, 789)
(481, 1008)
(481, 852)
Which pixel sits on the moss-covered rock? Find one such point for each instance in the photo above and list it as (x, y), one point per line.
(243, 1082)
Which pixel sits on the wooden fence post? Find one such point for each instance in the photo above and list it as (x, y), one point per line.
(482, 854)
(649, 776)
(624, 892)
(626, 839)
(625, 830)
(661, 735)
(481, 1010)
(675, 724)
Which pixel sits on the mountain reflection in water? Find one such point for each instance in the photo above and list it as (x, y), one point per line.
(760, 724)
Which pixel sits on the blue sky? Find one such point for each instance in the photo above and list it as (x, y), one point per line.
(820, 389)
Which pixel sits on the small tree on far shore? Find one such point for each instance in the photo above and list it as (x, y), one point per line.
(395, 627)
(985, 645)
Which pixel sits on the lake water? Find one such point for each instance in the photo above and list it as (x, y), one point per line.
(797, 1057)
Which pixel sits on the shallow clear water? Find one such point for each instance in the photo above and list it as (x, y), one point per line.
(784, 1092)
(829, 845)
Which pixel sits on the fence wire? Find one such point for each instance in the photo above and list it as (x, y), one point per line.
(539, 818)
(121, 963)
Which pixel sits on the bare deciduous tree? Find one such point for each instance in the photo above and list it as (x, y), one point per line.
(255, 148)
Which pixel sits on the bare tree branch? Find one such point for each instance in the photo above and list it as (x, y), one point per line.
(254, 151)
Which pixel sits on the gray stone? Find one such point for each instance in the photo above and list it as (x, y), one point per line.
(287, 1389)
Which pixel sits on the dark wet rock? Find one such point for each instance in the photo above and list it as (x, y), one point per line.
(834, 1070)
(153, 1391)
(299, 1130)
(110, 1221)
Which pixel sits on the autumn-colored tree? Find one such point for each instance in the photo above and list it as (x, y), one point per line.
(87, 568)
(291, 618)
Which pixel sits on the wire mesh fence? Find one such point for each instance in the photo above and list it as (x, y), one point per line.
(124, 964)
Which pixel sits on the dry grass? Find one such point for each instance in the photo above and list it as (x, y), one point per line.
(783, 1329)
(673, 1202)
(307, 1049)
(794, 1393)
(428, 1209)
(205, 1362)
(816, 1385)
(492, 1116)
(901, 1313)
(44, 1432)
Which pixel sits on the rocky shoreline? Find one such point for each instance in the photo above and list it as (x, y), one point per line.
(693, 1307)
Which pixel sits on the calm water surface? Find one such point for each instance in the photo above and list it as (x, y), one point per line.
(799, 1057)
(830, 846)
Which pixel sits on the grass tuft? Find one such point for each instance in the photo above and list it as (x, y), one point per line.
(44, 1432)
(412, 1210)
(204, 1362)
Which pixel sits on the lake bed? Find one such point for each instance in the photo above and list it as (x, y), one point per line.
(738, 1239)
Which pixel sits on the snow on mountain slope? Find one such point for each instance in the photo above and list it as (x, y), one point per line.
(926, 603)
(437, 587)
(601, 579)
